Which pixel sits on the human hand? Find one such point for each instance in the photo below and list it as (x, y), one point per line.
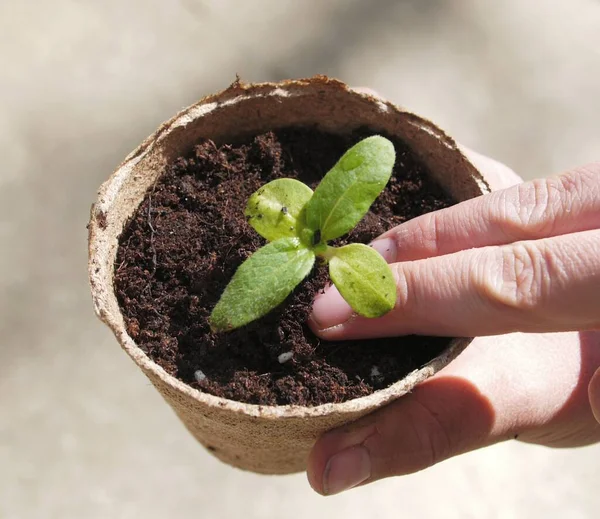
(523, 259)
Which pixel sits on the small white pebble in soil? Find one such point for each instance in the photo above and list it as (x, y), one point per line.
(284, 357)
(199, 376)
(375, 373)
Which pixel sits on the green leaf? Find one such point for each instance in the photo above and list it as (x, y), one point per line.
(262, 282)
(275, 210)
(364, 279)
(347, 191)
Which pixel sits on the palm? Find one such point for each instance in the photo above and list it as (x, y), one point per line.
(535, 386)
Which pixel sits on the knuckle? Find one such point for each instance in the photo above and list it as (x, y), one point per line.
(538, 208)
(529, 210)
(520, 276)
(424, 234)
(580, 187)
(517, 278)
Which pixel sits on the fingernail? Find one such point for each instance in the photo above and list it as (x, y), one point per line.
(386, 247)
(594, 394)
(330, 309)
(346, 469)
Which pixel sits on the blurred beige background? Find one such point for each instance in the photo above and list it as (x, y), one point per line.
(82, 433)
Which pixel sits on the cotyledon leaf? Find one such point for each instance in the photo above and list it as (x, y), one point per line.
(262, 282)
(275, 209)
(347, 191)
(364, 279)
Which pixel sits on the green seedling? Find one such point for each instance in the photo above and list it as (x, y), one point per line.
(298, 224)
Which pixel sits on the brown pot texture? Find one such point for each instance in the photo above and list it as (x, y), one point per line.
(264, 439)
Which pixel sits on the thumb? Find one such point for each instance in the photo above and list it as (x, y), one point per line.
(442, 418)
(496, 389)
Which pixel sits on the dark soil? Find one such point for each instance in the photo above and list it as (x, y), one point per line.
(189, 235)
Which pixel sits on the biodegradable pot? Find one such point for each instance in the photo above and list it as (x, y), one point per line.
(264, 439)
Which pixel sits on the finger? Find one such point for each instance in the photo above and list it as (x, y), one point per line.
(497, 175)
(539, 209)
(496, 390)
(440, 419)
(534, 286)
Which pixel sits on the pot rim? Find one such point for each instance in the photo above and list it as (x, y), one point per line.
(101, 274)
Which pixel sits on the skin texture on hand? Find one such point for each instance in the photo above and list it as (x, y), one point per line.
(536, 250)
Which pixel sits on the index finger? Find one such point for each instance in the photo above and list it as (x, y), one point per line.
(542, 208)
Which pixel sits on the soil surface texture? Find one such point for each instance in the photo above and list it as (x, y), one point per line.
(185, 241)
